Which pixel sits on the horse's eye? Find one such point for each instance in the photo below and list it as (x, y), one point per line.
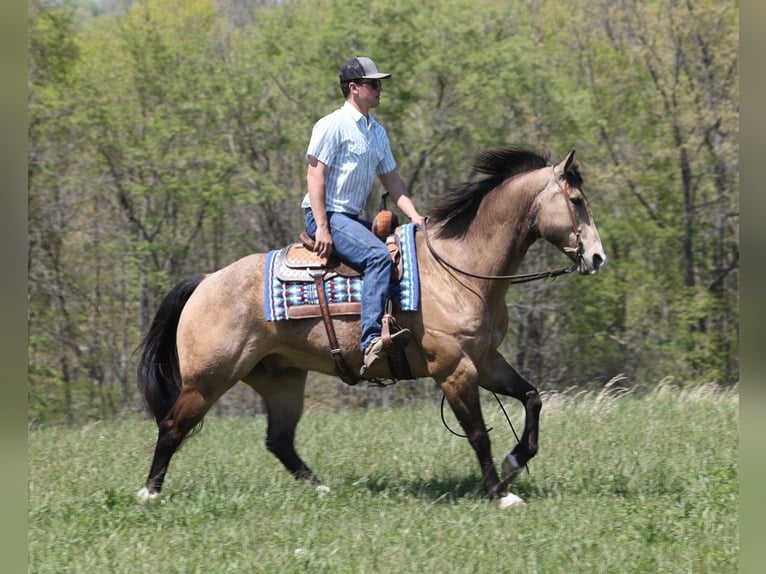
(576, 200)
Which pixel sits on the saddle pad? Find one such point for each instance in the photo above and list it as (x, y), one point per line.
(281, 296)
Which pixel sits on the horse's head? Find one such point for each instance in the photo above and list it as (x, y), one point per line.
(564, 217)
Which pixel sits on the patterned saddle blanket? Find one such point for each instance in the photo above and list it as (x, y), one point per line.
(289, 296)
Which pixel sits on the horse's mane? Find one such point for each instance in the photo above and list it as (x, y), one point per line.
(458, 208)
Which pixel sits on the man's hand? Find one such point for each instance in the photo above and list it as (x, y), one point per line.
(397, 189)
(323, 242)
(316, 187)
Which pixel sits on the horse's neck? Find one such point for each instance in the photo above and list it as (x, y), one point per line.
(499, 236)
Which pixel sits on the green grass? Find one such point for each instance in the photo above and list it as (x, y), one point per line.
(621, 484)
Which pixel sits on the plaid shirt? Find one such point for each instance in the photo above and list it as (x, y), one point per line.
(354, 150)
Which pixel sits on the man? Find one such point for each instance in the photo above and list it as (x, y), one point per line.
(348, 148)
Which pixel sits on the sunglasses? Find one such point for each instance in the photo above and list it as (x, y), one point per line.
(374, 84)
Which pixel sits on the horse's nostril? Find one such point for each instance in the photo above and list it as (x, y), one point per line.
(598, 261)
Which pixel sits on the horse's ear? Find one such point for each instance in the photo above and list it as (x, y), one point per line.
(564, 165)
(569, 159)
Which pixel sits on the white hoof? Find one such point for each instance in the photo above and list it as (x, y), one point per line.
(510, 500)
(144, 495)
(322, 489)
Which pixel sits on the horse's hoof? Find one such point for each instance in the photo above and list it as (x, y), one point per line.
(511, 469)
(510, 500)
(144, 495)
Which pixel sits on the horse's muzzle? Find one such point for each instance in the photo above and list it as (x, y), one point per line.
(589, 267)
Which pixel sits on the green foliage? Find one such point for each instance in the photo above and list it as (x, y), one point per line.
(167, 137)
(618, 480)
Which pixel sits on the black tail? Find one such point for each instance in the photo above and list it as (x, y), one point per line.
(159, 378)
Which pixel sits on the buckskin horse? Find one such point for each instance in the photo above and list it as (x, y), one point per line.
(210, 331)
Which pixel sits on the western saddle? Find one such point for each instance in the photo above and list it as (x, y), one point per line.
(301, 263)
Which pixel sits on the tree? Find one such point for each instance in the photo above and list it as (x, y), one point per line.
(677, 156)
(168, 137)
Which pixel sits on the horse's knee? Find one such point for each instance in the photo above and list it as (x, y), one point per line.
(533, 402)
(479, 438)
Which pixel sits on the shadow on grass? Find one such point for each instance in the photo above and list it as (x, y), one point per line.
(437, 489)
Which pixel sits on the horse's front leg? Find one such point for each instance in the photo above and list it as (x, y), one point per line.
(496, 375)
(462, 393)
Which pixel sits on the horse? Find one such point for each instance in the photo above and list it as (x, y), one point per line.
(209, 331)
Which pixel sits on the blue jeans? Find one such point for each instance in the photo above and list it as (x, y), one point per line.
(355, 244)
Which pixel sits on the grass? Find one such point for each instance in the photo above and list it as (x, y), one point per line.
(621, 484)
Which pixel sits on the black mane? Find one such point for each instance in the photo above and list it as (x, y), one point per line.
(458, 208)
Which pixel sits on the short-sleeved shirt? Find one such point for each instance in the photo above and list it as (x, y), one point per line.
(355, 150)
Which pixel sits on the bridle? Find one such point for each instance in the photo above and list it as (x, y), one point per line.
(524, 277)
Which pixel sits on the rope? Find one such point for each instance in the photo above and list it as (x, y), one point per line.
(514, 279)
(502, 408)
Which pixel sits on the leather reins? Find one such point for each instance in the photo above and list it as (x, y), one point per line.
(524, 277)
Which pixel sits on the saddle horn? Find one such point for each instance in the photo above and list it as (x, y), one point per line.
(385, 222)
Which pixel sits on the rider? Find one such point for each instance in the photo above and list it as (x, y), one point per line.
(348, 148)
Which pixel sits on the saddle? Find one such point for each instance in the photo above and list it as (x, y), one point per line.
(301, 264)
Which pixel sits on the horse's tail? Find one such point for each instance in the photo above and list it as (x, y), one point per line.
(159, 376)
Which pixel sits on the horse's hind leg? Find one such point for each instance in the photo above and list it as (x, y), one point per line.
(187, 412)
(283, 397)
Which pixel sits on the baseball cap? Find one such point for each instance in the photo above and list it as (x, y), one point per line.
(361, 68)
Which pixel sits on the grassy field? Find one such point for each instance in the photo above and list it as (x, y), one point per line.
(621, 484)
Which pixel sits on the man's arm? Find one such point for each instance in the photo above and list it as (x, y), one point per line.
(397, 189)
(315, 181)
